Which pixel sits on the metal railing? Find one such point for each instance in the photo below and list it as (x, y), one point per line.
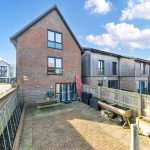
(9, 121)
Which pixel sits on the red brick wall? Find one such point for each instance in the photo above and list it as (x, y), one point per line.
(32, 55)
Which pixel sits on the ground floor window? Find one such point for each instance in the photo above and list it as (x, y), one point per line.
(65, 91)
(113, 84)
(142, 86)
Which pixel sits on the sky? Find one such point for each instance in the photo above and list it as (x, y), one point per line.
(117, 26)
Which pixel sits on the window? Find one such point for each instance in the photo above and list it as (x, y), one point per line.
(114, 68)
(142, 86)
(100, 82)
(113, 84)
(100, 66)
(65, 91)
(142, 66)
(3, 71)
(54, 66)
(54, 40)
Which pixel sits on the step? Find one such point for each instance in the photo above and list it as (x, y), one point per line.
(47, 104)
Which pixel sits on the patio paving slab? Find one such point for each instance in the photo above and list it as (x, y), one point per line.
(73, 126)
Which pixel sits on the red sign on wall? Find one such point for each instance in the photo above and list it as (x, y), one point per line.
(25, 78)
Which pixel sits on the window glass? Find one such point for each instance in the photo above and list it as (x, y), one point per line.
(58, 71)
(58, 37)
(58, 63)
(67, 92)
(102, 64)
(54, 65)
(57, 96)
(51, 36)
(57, 88)
(58, 45)
(54, 40)
(50, 62)
(51, 44)
(114, 67)
(99, 64)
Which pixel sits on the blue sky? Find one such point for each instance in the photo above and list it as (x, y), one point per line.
(119, 26)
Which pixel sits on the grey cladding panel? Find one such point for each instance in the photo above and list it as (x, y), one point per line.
(86, 64)
(107, 64)
(127, 67)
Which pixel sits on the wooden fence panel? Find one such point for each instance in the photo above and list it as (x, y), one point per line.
(145, 101)
(120, 97)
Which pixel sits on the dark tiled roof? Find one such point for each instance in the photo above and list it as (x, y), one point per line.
(15, 36)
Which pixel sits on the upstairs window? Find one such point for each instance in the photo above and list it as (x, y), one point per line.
(114, 68)
(142, 67)
(101, 67)
(54, 40)
(3, 71)
(54, 66)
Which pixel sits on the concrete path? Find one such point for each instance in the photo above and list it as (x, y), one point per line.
(73, 126)
(4, 87)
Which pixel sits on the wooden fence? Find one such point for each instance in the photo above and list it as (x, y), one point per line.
(139, 103)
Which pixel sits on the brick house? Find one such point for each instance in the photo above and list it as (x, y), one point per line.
(115, 71)
(48, 57)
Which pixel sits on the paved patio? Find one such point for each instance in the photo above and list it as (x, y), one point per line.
(74, 126)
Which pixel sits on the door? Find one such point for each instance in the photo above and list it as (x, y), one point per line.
(65, 92)
(143, 87)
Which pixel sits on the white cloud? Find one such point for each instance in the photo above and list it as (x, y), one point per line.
(101, 40)
(1, 58)
(136, 9)
(126, 34)
(98, 6)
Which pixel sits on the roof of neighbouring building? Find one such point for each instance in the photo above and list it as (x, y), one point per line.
(4, 62)
(113, 54)
(20, 32)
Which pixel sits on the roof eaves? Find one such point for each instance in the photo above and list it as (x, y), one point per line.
(142, 60)
(4, 62)
(113, 54)
(100, 51)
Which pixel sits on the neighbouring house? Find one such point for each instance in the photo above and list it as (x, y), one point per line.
(48, 58)
(115, 71)
(7, 72)
(134, 74)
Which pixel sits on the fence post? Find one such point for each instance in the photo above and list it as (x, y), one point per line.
(99, 90)
(139, 104)
(134, 144)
